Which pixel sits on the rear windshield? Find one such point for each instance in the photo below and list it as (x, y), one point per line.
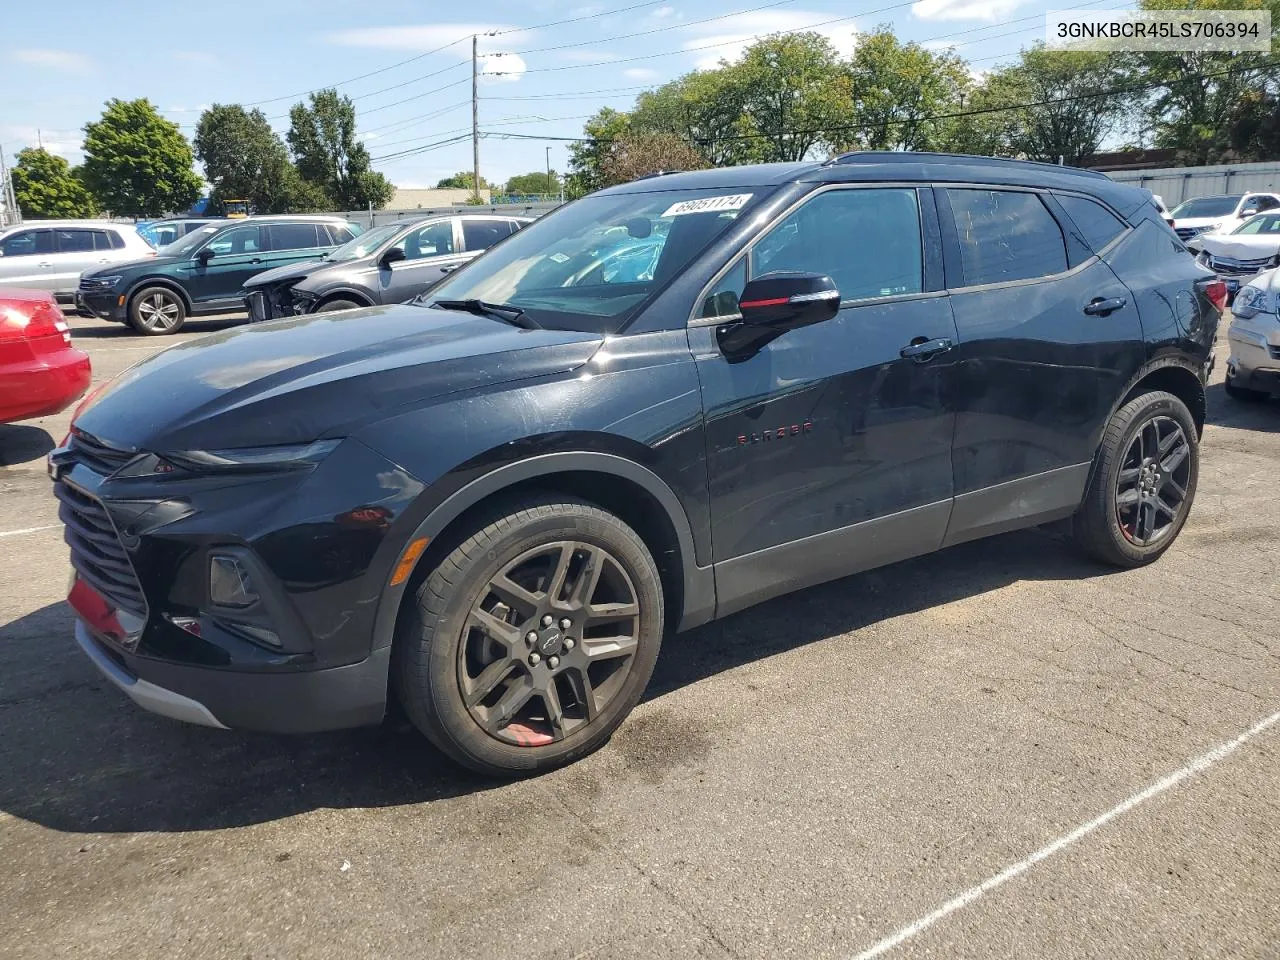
(1206, 207)
(590, 265)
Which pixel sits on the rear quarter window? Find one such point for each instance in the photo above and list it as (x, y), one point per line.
(1098, 224)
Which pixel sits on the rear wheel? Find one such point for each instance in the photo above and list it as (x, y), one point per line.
(1143, 482)
(156, 311)
(533, 639)
(333, 305)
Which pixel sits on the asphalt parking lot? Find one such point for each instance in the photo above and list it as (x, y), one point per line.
(1000, 750)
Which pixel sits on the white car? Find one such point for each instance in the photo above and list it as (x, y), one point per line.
(1206, 214)
(1253, 368)
(51, 254)
(1238, 254)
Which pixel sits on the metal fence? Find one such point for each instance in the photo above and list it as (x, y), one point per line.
(1175, 184)
(371, 218)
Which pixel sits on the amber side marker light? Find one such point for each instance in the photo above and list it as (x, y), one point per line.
(408, 559)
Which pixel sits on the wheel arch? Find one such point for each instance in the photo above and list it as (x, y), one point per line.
(1173, 377)
(631, 491)
(343, 293)
(169, 284)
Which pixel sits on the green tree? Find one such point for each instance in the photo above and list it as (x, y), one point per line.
(46, 186)
(705, 108)
(795, 97)
(637, 154)
(322, 136)
(462, 180)
(137, 163)
(895, 87)
(244, 159)
(587, 157)
(538, 182)
(1197, 114)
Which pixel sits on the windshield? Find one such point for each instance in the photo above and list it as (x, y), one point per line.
(365, 244)
(191, 242)
(1206, 207)
(590, 264)
(1263, 223)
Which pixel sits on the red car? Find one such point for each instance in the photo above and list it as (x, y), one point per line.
(40, 372)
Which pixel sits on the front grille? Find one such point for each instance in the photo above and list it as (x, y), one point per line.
(96, 552)
(1275, 351)
(99, 457)
(1186, 233)
(1239, 268)
(92, 285)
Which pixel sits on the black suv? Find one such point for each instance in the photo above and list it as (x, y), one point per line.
(653, 407)
(204, 271)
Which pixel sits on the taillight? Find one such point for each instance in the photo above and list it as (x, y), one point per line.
(1216, 291)
(31, 319)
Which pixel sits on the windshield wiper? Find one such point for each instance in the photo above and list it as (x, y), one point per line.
(506, 312)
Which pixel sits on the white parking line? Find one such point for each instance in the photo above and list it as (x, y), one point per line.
(1198, 765)
(15, 533)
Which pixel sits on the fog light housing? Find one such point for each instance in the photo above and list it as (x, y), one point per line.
(229, 583)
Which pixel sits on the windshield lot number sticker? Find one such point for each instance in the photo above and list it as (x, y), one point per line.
(708, 205)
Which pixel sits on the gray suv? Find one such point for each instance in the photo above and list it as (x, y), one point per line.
(388, 264)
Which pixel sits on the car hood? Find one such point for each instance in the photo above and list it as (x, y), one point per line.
(1202, 221)
(1247, 247)
(144, 263)
(292, 271)
(316, 377)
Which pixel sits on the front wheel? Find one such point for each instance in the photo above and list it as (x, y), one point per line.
(157, 311)
(334, 305)
(528, 645)
(1143, 482)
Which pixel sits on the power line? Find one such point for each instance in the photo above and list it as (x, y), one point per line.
(579, 19)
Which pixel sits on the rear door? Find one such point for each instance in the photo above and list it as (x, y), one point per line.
(295, 243)
(1048, 337)
(432, 251)
(75, 253)
(27, 259)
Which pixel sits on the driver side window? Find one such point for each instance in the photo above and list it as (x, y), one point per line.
(433, 240)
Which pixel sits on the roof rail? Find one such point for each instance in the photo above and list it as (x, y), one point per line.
(655, 173)
(903, 156)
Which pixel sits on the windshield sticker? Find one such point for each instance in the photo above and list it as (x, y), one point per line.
(708, 205)
(559, 257)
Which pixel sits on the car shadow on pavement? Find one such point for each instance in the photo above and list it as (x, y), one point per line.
(20, 443)
(77, 756)
(109, 331)
(1223, 411)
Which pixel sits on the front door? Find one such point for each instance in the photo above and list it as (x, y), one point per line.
(1048, 339)
(237, 254)
(432, 252)
(829, 451)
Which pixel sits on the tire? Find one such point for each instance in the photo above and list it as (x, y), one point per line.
(489, 703)
(1124, 519)
(156, 311)
(1244, 394)
(333, 305)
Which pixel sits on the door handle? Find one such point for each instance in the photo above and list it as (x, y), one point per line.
(1100, 307)
(256, 260)
(44, 263)
(449, 268)
(921, 349)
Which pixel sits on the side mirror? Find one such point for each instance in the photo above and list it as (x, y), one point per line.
(204, 256)
(786, 300)
(394, 255)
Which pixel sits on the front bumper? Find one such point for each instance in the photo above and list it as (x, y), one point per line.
(1254, 363)
(106, 305)
(299, 702)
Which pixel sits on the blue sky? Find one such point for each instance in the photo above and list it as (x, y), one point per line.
(74, 54)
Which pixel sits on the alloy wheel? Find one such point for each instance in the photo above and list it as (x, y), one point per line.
(1151, 487)
(548, 643)
(158, 311)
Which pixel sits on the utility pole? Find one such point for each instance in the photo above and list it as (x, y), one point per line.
(11, 213)
(475, 118)
(548, 171)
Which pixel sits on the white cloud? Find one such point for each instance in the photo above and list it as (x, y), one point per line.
(964, 9)
(367, 136)
(420, 38)
(502, 67)
(663, 12)
(640, 73)
(729, 37)
(57, 59)
(65, 143)
(197, 57)
(589, 56)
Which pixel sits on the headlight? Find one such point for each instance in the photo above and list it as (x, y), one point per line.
(99, 283)
(1202, 258)
(1251, 301)
(294, 456)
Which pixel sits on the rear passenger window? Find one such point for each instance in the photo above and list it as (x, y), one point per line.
(866, 240)
(101, 240)
(1005, 235)
(116, 241)
(483, 234)
(75, 241)
(1098, 224)
(294, 236)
